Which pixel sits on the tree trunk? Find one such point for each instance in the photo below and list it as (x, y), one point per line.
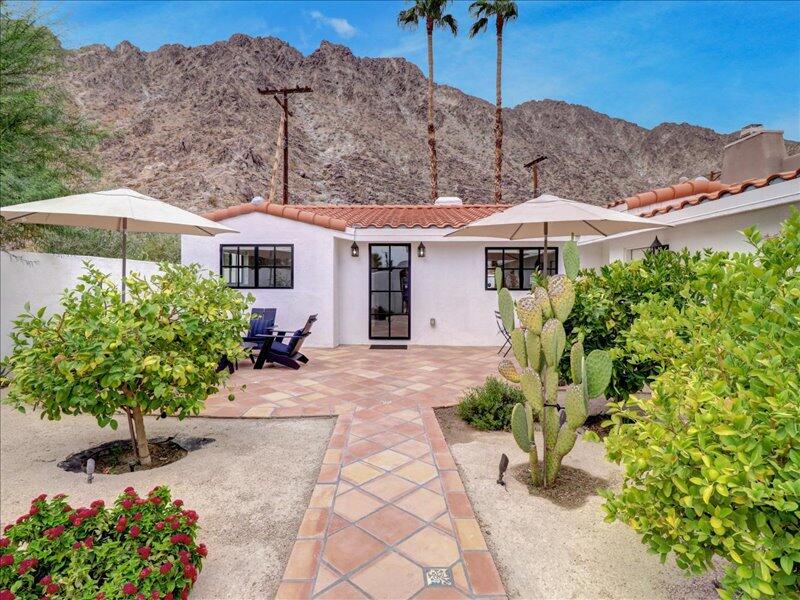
(141, 437)
(498, 118)
(431, 127)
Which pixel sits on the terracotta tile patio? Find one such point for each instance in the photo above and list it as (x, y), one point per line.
(388, 517)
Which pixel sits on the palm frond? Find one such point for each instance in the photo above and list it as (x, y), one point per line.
(478, 26)
(448, 22)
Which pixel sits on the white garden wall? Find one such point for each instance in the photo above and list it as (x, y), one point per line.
(41, 278)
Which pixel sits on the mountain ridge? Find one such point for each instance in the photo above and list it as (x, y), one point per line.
(188, 126)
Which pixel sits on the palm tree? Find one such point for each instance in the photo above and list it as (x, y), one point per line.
(433, 13)
(503, 11)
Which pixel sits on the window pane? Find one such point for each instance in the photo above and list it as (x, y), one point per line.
(494, 258)
(229, 256)
(399, 256)
(380, 280)
(283, 278)
(530, 258)
(229, 275)
(379, 327)
(283, 256)
(511, 279)
(379, 305)
(247, 276)
(247, 256)
(266, 256)
(266, 277)
(490, 279)
(511, 259)
(526, 278)
(380, 257)
(399, 326)
(397, 303)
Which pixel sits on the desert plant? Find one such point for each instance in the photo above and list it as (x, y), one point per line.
(488, 406)
(538, 344)
(141, 548)
(156, 353)
(605, 308)
(712, 460)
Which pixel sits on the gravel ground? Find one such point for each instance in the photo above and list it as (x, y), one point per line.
(250, 486)
(558, 546)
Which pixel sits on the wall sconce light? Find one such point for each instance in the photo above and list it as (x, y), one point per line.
(421, 250)
(657, 246)
(354, 250)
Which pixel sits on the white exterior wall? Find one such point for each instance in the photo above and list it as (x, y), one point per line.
(41, 279)
(314, 270)
(447, 285)
(720, 233)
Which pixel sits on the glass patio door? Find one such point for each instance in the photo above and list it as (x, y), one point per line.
(390, 291)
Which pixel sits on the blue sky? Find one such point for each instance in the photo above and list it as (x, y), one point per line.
(717, 64)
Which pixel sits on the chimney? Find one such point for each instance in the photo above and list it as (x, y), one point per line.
(757, 153)
(448, 201)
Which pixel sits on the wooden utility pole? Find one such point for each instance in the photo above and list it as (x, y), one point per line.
(534, 167)
(283, 102)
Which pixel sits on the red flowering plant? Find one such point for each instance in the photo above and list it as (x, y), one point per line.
(144, 548)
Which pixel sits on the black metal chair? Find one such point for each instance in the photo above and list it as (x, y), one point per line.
(506, 336)
(274, 350)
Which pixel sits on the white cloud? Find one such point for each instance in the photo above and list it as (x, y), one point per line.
(341, 26)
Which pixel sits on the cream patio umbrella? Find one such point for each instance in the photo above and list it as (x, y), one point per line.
(120, 210)
(553, 216)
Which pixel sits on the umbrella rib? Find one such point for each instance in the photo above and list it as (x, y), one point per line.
(511, 237)
(595, 228)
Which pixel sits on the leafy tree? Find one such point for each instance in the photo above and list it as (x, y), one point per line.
(156, 353)
(712, 459)
(46, 147)
(432, 12)
(605, 308)
(503, 11)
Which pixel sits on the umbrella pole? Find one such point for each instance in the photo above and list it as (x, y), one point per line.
(544, 409)
(124, 273)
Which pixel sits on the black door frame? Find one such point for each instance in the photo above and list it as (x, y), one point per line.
(369, 294)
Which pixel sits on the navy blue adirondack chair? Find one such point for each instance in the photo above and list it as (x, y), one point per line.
(274, 350)
(262, 320)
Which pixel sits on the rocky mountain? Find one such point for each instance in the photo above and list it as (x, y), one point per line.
(187, 125)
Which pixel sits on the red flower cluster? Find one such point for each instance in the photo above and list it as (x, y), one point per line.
(54, 532)
(26, 564)
(181, 538)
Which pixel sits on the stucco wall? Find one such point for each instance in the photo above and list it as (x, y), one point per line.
(313, 290)
(446, 285)
(41, 278)
(722, 233)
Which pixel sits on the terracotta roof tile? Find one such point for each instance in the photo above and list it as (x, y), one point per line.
(340, 216)
(692, 193)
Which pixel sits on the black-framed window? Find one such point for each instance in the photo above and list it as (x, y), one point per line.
(518, 265)
(257, 265)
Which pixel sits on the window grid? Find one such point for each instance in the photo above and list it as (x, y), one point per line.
(517, 265)
(257, 266)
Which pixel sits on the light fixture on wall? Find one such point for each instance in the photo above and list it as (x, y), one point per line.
(657, 246)
(354, 250)
(421, 250)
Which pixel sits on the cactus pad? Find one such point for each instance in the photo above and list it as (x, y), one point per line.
(553, 341)
(533, 346)
(506, 306)
(543, 300)
(564, 443)
(532, 389)
(598, 372)
(551, 426)
(551, 385)
(575, 361)
(519, 427)
(518, 346)
(529, 313)
(576, 406)
(498, 278)
(562, 296)
(508, 370)
(572, 259)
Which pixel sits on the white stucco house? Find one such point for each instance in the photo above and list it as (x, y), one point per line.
(379, 274)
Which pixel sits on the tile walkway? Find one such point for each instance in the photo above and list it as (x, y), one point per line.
(389, 516)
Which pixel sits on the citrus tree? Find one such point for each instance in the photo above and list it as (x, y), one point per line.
(158, 352)
(712, 459)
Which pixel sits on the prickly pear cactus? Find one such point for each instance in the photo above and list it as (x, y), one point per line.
(538, 344)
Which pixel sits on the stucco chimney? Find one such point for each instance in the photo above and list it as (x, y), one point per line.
(757, 153)
(448, 201)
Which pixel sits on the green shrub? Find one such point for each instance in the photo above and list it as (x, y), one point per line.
(142, 547)
(156, 353)
(712, 460)
(605, 308)
(489, 406)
